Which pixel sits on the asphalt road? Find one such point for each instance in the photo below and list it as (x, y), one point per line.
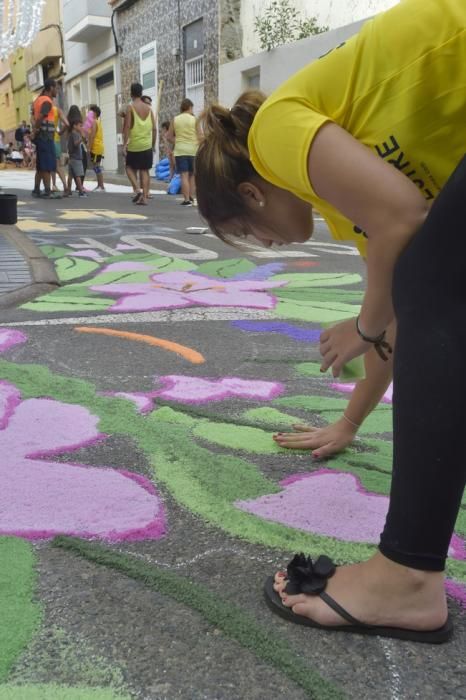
(104, 628)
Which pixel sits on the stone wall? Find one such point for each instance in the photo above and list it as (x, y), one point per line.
(162, 21)
(231, 31)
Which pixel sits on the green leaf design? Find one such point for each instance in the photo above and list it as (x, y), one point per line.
(54, 251)
(270, 418)
(19, 615)
(236, 437)
(301, 280)
(64, 301)
(331, 409)
(226, 268)
(69, 268)
(314, 311)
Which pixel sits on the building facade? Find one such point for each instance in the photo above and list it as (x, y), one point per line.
(92, 72)
(22, 96)
(44, 58)
(7, 106)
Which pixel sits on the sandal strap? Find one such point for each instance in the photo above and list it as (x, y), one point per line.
(332, 603)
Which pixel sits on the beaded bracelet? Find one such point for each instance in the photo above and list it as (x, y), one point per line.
(379, 342)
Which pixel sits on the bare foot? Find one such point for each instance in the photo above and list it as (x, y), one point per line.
(377, 592)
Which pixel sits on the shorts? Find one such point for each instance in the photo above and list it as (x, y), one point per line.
(84, 157)
(184, 164)
(46, 159)
(97, 163)
(75, 168)
(57, 149)
(140, 160)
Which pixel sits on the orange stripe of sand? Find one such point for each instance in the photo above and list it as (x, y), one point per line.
(188, 353)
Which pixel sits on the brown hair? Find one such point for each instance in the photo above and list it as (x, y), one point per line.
(222, 161)
(186, 104)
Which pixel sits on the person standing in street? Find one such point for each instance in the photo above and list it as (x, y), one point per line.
(168, 148)
(75, 140)
(183, 133)
(44, 129)
(19, 134)
(58, 117)
(96, 148)
(139, 135)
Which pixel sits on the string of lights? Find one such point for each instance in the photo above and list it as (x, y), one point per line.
(20, 22)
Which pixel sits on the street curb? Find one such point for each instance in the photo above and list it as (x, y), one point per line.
(44, 277)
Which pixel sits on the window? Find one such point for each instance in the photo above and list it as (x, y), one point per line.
(252, 79)
(148, 80)
(194, 72)
(147, 54)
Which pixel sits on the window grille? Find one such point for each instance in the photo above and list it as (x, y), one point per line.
(194, 69)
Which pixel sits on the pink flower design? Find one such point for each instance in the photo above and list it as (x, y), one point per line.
(171, 290)
(348, 389)
(10, 337)
(41, 498)
(199, 389)
(330, 503)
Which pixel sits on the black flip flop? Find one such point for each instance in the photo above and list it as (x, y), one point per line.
(137, 197)
(273, 600)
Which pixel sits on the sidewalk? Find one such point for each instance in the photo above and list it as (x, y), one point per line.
(14, 269)
(24, 270)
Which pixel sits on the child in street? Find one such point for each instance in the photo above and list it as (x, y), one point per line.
(168, 148)
(75, 141)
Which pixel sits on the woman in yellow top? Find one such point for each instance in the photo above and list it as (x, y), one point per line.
(139, 135)
(183, 133)
(96, 148)
(369, 134)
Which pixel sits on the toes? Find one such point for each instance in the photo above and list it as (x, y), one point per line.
(290, 601)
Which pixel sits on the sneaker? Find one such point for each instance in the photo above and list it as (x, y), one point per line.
(186, 203)
(83, 194)
(35, 193)
(193, 201)
(48, 194)
(99, 189)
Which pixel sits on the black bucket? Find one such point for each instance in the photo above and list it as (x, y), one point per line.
(8, 208)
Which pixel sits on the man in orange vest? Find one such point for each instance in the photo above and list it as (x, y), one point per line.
(44, 129)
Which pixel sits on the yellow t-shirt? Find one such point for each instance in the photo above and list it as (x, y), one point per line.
(98, 142)
(56, 119)
(399, 87)
(186, 141)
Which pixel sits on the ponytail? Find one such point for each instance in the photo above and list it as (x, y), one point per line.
(222, 161)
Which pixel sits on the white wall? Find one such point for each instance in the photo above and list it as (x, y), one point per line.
(268, 69)
(331, 13)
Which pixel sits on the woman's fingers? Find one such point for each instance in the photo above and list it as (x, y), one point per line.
(326, 450)
(328, 361)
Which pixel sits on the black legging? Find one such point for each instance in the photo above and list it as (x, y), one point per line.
(429, 411)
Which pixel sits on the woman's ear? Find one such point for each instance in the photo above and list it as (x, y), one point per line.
(252, 195)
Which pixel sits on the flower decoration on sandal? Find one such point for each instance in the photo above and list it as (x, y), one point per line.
(306, 576)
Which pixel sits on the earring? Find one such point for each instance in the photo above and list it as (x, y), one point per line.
(261, 203)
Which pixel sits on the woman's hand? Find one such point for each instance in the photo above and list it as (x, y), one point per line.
(324, 442)
(339, 345)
